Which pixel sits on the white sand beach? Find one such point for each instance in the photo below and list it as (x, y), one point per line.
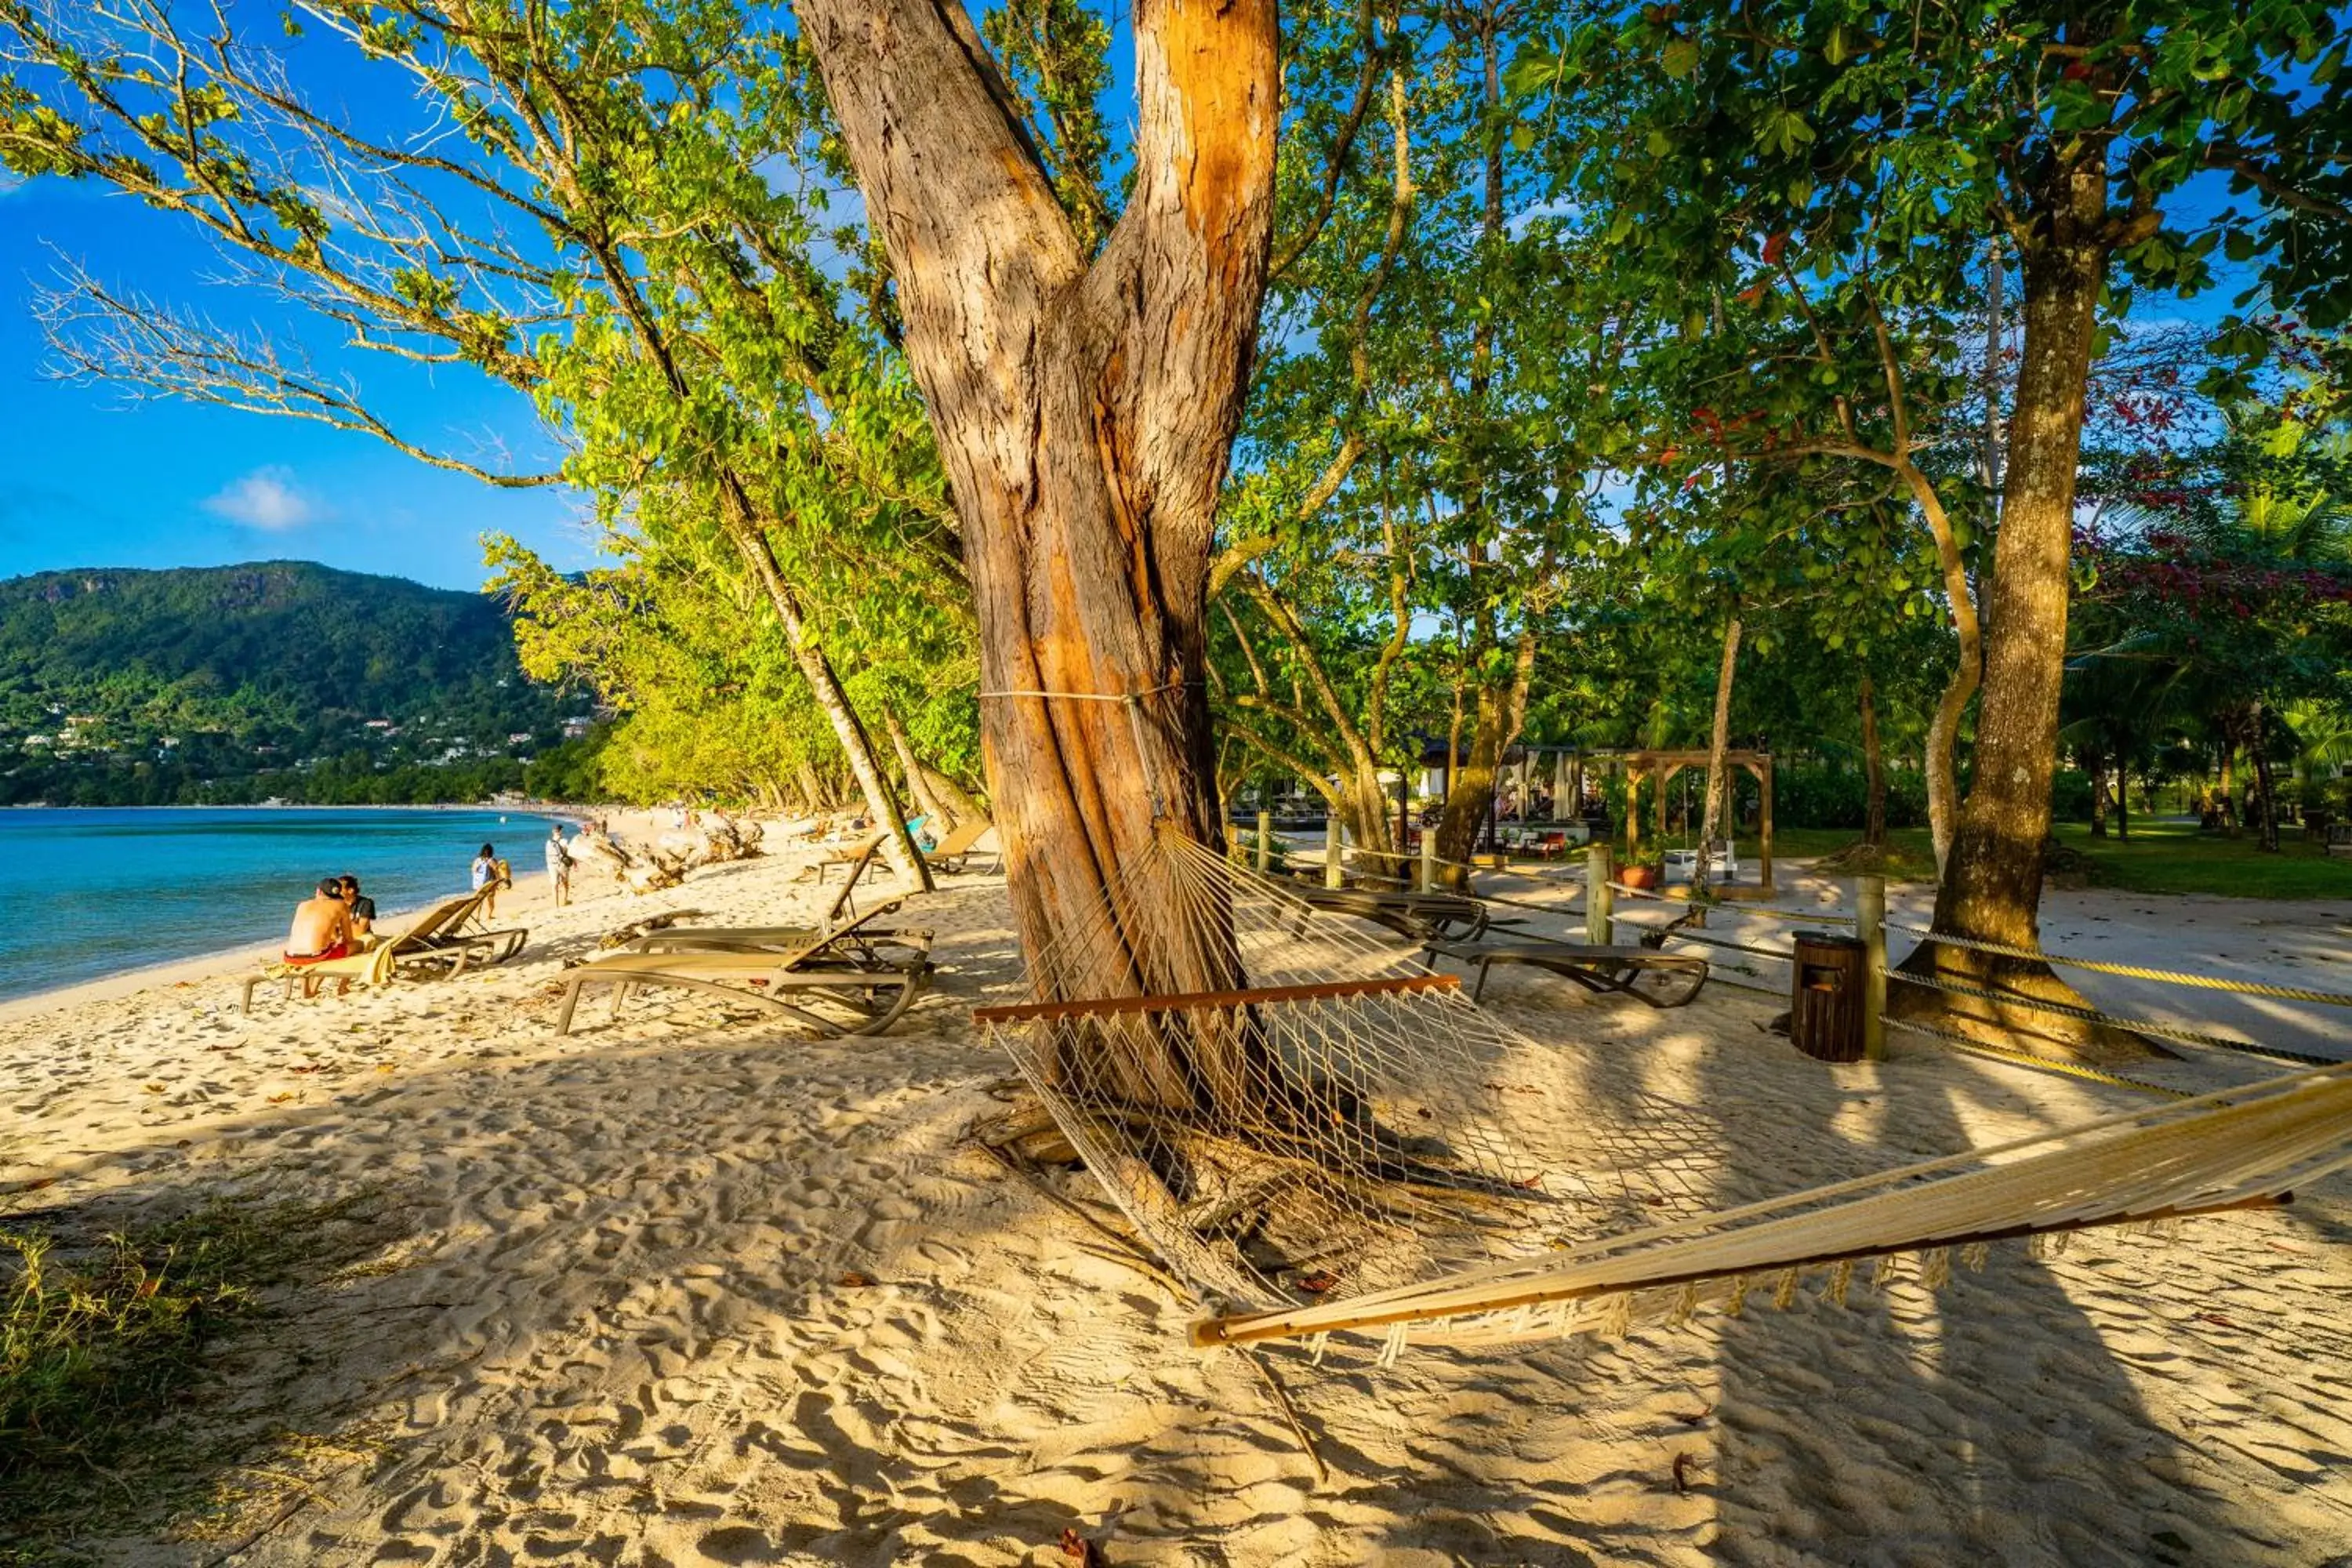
(689, 1288)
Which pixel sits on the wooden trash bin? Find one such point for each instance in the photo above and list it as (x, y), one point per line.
(1826, 997)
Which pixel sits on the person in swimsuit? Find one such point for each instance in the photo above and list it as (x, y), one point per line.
(321, 930)
(491, 873)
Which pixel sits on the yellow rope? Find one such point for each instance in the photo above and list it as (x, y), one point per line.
(2134, 971)
(2034, 1060)
(2093, 1015)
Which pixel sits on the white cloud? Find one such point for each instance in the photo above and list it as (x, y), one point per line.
(265, 498)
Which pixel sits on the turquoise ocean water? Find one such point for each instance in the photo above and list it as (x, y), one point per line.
(87, 891)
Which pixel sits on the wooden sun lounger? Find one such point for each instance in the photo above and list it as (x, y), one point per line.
(1596, 968)
(855, 858)
(1421, 916)
(960, 846)
(872, 975)
(437, 936)
(752, 939)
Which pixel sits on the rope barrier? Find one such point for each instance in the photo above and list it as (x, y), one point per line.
(2133, 970)
(2093, 1015)
(2034, 1059)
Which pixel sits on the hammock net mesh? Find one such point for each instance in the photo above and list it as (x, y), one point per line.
(1362, 1127)
(1319, 1133)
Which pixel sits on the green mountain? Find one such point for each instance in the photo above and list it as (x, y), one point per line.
(207, 684)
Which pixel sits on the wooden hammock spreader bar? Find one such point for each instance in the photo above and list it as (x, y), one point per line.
(1249, 1328)
(1033, 1012)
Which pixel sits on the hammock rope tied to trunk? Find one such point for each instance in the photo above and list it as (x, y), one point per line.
(1321, 1136)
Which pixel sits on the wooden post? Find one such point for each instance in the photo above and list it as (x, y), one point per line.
(1764, 822)
(1599, 897)
(1265, 842)
(1428, 862)
(1870, 923)
(1333, 872)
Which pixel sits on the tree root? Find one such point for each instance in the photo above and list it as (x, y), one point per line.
(2017, 1011)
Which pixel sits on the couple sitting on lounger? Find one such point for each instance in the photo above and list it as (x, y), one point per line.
(335, 922)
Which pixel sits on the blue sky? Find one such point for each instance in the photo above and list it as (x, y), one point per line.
(92, 479)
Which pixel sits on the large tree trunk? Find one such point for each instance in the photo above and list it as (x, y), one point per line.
(1942, 761)
(1718, 744)
(961, 802)
(1991, 888)
(1874, 767)
(1084, 410)
(2263, 781)
(919, 786)
(1494, 720)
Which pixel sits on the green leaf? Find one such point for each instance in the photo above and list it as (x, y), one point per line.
(1680, 57)
(1532, 72)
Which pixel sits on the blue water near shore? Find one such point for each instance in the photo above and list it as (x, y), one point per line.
(90, 891)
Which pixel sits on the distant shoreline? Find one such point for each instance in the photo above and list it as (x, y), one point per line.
(529, 892)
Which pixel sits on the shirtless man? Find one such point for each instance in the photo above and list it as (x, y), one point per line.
(321, 929)
(322, 925)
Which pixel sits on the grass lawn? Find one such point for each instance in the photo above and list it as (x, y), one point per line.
(2175, 857)
(2162, 857)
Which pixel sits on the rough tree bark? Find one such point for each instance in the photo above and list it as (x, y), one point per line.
(1085, 410)
(1992, 887)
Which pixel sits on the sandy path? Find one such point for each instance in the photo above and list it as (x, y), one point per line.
(687, 1288)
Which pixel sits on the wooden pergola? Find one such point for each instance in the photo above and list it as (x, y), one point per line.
(1640, 765)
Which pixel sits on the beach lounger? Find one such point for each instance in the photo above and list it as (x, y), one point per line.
(954, 852)
(854, 857)
(1421, 916)
(870, 975)
(1622, 969)
(438, 936)
(753, 939)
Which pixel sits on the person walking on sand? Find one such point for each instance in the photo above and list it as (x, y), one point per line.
(559, 866)
(321, 930)
(486, 880)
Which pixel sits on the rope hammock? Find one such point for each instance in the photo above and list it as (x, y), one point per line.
(1331, 1139)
